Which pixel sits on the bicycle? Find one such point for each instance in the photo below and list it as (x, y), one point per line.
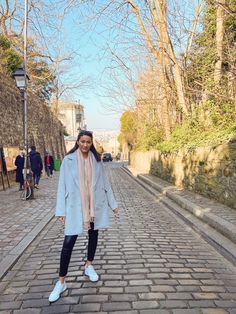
(27, 191)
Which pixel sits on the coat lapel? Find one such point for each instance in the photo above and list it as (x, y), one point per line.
(95, 171)
(74, 167)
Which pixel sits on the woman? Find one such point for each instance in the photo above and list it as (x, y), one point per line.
(83, 197)
(19, 163)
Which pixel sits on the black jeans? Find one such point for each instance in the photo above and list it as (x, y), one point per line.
(68, 245)
(21, 184)
(36, 177)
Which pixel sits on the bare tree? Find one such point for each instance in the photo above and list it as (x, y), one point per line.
(146, 25)
(12, 13)
(152, 22)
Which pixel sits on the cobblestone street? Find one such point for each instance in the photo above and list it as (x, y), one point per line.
(149, 261)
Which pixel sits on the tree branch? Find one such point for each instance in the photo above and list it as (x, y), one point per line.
(192, 33)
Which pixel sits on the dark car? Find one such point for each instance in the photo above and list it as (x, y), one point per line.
(106, 157)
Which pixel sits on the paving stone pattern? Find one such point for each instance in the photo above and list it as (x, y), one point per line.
(19, 217)
(149, 262)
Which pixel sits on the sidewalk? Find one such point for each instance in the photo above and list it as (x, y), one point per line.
(214, 214)
(21, 221)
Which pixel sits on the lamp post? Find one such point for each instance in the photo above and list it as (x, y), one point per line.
(21, 79)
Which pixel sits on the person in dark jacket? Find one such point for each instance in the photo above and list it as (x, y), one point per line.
(19, 163)
(49, 164)
(36, 165)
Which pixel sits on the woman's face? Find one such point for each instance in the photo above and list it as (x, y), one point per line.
(85, 142)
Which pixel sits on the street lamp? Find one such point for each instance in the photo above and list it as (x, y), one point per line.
(22, 79)
(19, 77)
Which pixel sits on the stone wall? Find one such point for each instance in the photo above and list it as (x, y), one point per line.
(45, 131)
(210, 171)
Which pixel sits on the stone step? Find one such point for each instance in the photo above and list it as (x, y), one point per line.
(225, 227)
(219, 232)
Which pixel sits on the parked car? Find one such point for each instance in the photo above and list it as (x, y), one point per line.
(106, 157)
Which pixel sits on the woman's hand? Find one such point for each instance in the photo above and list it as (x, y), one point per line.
(116, 212)
(62, 219)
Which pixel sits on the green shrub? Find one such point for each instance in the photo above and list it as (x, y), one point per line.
(10, 59)
(209, 125)
(151, 137)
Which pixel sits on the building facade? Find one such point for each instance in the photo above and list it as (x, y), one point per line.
(71, 114)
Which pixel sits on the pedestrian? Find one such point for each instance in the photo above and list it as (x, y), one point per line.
(118, 156)
(49, 164)
(36, 165)
(83, 198)
(19, 163)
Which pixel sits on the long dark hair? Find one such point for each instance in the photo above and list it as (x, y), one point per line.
(92, 148)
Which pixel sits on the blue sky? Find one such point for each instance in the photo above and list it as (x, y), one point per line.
(89, 63)
(92, 66)
(86, 40)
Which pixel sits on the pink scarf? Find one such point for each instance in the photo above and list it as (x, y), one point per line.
(85, 167)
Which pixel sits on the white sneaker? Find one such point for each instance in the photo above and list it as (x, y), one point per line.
(58, 289)
(91, 273)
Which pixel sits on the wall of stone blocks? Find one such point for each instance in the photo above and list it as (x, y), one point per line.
(210, 171)
(45, 131)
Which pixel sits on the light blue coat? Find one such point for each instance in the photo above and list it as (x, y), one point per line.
(69, 200)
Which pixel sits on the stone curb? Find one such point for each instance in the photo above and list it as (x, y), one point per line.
(18, 250)
(208, 225)
(226, 228)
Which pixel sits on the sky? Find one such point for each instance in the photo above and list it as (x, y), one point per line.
(91, 66)
(85, 43)
(85, 39)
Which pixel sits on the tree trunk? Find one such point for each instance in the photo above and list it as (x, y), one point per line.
(163, 68)
(161, 24)
(163, 88)
(219, 41)
(159, 58)
(178, 77)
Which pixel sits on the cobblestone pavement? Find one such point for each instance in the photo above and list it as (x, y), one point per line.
(149, 262)
(18, 217)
